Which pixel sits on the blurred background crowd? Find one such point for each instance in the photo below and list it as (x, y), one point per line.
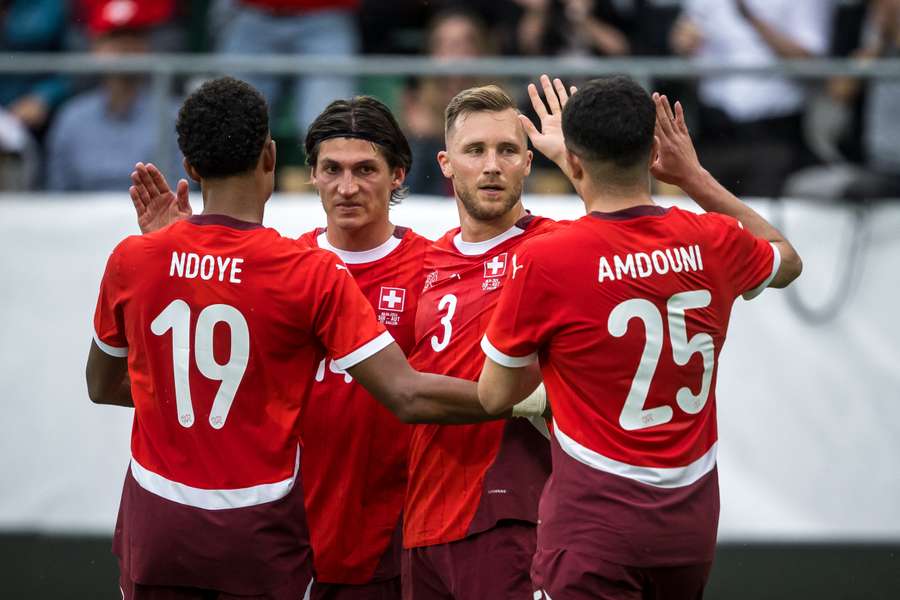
(762, 136)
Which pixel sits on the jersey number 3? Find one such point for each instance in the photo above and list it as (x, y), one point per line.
(633, 415)
(447, 303)
(177, 317)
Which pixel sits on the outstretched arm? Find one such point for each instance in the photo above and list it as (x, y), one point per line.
(677, 163)
(155, 204)
(420, 397)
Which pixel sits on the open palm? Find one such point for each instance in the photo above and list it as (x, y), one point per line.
(155, 203)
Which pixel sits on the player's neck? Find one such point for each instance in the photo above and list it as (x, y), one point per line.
(368, 237)
(475, 230)
(611, 198)
(236, 197)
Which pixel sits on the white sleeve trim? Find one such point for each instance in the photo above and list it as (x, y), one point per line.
(370, 348)
(776, 264)
(514, 362)
(111, 350)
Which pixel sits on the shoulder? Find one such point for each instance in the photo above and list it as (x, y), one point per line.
(310, 238)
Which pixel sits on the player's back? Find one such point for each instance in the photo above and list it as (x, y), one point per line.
(640, 306)
(224, 323)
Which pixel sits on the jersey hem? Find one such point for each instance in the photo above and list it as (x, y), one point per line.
(365, 351)
(506, 360)
(212, 499)
(662, 477)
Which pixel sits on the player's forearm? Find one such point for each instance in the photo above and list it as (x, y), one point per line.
(108, 381)
(448, 400)
(712, 196)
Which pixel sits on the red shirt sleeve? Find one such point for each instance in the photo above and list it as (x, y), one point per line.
(754, 261)
(344, 320)
(521, 322)
(109, 322)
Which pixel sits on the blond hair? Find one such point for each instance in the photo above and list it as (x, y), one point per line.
(489, 98)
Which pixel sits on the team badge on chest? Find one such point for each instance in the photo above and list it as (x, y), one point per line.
(494, 270)
(391, 302)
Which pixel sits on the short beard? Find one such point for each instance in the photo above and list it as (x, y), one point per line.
(488, 211)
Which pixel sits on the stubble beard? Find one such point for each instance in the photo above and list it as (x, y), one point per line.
(488, 211)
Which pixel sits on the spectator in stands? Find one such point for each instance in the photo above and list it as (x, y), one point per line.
(744, 118)
(574, 27)
(33, 26)
(99, 135)
(454, 33)
(879, 175)
(304, 27)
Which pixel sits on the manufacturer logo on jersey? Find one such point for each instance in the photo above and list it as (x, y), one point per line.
(515, 266)
(430, 280)
(496, 267)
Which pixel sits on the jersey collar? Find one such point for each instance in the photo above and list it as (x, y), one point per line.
(632, 212)
(476, 248)
(365, 256)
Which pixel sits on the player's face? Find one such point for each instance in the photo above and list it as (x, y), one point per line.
(487, 158)
(354, 182)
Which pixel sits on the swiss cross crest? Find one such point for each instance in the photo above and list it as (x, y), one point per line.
(392, 299)
(496, 267)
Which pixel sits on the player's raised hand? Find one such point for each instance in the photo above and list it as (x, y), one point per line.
(676, 161)
(154, 202)
(549, 140)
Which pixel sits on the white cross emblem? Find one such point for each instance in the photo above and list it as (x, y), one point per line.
(496, 267)
(392, 299)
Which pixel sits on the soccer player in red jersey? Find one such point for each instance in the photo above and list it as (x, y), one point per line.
(355, 451)
(471, 506)
(212, 328)
(626, 311)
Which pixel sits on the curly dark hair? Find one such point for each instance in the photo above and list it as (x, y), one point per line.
(610, 120)
(366, 118)
(222, 127)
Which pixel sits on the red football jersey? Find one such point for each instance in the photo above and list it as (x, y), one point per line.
(464, 478)
(224, 324)
(627, 314)
(354, 450)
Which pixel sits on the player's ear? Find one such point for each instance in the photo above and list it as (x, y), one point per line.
(268, 156)
(654, 150)
(575, 166)
(398, 177)
(444, 162)
(190, 170)
(529, 155)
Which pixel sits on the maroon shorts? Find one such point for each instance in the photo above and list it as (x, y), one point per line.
(566, 575)
(137, 591)
(388, 589)
(491, 564)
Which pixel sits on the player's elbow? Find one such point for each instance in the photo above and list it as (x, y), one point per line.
(491, 398)
(791, 267)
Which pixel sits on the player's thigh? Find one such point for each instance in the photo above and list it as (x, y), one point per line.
(136, 591)
(676, 583)
(420, 578)
(565, 575)
(388, 589)
(495, 563)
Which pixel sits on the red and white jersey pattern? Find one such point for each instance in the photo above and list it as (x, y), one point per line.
(355, 451)
(224, 323)
(464, 478)
(628, 330)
